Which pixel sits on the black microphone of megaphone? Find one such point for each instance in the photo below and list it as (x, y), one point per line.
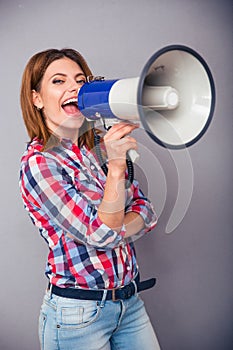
(174, 97)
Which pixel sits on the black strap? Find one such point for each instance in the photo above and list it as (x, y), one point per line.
(116, 294)
(144, 285)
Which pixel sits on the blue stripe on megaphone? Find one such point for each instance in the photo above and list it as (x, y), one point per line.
(93, 99)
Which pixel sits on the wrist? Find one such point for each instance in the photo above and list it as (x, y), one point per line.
(116, 172)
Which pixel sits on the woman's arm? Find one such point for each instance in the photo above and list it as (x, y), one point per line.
(134, 223)
(117, 142)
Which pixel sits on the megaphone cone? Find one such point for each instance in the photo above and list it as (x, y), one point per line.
(174, 97)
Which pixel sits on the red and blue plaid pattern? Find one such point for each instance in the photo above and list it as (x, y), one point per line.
(61, 190)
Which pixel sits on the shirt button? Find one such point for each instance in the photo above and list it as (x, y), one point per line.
(128, 268)
(92, 167)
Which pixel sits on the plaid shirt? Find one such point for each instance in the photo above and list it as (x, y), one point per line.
(61, 190)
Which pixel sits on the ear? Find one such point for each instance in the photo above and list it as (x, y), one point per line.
(37, 100)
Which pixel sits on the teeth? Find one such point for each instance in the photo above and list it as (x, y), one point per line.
(71, 100)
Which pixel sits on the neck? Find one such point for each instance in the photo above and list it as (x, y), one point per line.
(67, 134)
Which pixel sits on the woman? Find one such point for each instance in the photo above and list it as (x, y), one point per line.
(88, 219)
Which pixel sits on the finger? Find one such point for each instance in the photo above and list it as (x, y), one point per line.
(121, 125)
(130, 142)
(120, 130)
(124, 144)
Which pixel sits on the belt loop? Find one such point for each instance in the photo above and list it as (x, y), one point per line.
(102, 303)
(50, 290)
(135, 286)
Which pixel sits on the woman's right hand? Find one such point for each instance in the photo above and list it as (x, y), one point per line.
(118, 142)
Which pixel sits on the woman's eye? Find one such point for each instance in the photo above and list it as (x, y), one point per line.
(81, 82)
(58, 81)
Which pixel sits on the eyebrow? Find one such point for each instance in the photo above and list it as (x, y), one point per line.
(64, 75)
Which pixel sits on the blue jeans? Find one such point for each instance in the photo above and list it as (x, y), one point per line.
(71, 324)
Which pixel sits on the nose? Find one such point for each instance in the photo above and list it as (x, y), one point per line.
(73, 87)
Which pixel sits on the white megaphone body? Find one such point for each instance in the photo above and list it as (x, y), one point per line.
(174, 97)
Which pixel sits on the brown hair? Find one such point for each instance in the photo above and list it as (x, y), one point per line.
(31, 80)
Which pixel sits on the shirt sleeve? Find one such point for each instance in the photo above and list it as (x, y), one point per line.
(140, 204)
(51, 190)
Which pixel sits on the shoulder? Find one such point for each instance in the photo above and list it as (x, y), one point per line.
(50, 165)
(33, 150)
(35, 158)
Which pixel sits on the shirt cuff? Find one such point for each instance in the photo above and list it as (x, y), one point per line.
(103, 237)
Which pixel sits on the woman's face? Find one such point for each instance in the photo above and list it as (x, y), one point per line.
(58, 97)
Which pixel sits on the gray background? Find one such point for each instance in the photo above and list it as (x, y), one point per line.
(191, 306)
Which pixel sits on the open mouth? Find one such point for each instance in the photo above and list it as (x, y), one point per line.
(70, 106)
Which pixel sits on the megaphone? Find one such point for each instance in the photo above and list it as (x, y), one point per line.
(174, 97)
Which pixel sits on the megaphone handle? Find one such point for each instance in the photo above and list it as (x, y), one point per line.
(133, 155)
(108, 123)
(103, 165)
